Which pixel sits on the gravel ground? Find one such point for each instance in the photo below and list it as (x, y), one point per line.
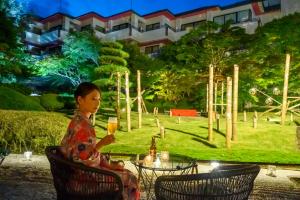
(31, 180)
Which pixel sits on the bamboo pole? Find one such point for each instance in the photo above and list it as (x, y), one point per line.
(139, 98)
(144, 106)
(254, 121)
(210, 102)
(218, 121)
(255, 114)
(245, 116)
(285, 89)
(222, 98)
(216, 96)
(228, 113)
(235, 101)
(162, 132)
(128, 109)
(207, 97)
(118, 99)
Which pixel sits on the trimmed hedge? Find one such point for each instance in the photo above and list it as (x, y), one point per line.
(31, 130)
(107, 59)
(113, 52)
(68, 101)
(18, 87)
(13, 100)
(51, 102)
(115, 45)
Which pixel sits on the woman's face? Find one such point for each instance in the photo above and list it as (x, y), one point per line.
(90, 103)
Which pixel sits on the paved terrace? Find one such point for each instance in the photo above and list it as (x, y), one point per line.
(31, 180)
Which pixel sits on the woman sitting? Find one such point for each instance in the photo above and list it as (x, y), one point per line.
(79, 143)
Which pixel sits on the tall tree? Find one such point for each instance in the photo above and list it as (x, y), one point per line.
(14, 62)
(112, 61)
(148, 67)
(76, 63)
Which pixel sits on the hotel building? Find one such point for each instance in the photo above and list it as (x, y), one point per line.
(153, 30)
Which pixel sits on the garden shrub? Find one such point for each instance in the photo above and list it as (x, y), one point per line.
(35, 98)
(107, 59)
(161, 105)
(68, 101)
(185, 105)
(18, 87)
(51, 102)
(31, 130)
(14, 100)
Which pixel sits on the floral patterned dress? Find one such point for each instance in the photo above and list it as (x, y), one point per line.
(79, 145)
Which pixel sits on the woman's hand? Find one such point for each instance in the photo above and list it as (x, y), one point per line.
(108, 139)
(117, 165)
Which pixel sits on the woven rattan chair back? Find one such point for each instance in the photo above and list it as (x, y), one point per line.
(233, 182)
(75, 181)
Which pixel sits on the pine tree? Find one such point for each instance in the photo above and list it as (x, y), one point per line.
(112, 61)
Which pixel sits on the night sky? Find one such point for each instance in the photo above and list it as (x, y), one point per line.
(75, 8)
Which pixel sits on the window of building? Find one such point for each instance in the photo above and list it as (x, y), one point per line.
(152, 49)
(236, 17)
(191, 25)
(36, 30)
(120, 27)
(231, 17)
(219, 19)
(243, 16)
(74, 27)
(271, 4)
(151, 27)
(86, 27)
(100, 29)
(59, 27)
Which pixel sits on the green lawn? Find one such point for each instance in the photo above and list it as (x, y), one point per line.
(269, 143)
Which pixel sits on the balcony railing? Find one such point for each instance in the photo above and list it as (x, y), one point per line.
(46, 37)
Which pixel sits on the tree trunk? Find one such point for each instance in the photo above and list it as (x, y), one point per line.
(285, 89)
(128, 109)
(139, 98)
(210, 102)
(222, 99)
(235, 101)
(118, 106)
(228, 113)
(216, 97)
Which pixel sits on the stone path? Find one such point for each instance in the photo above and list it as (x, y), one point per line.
(31, 180)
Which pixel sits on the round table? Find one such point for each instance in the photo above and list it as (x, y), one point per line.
(147, 174)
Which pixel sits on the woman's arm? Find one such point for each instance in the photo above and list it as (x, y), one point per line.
(108, 139)
(112, 165)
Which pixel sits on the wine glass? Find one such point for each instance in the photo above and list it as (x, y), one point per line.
(112, 125)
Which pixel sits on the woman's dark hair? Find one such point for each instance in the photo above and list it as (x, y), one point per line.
(84, 89)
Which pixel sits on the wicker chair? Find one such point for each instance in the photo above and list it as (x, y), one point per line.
(77, 182)
(233, 182)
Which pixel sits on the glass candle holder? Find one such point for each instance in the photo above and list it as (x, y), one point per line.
(164, 156)
(27, 155)
(271, 170)
(148, 160)
(157, 162)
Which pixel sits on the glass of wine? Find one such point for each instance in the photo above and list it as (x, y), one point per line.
(112, 125)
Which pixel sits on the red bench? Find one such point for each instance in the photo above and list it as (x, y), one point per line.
(183, 112)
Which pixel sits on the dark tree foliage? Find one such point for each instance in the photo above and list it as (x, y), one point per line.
(268, 51)
(188, 60)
